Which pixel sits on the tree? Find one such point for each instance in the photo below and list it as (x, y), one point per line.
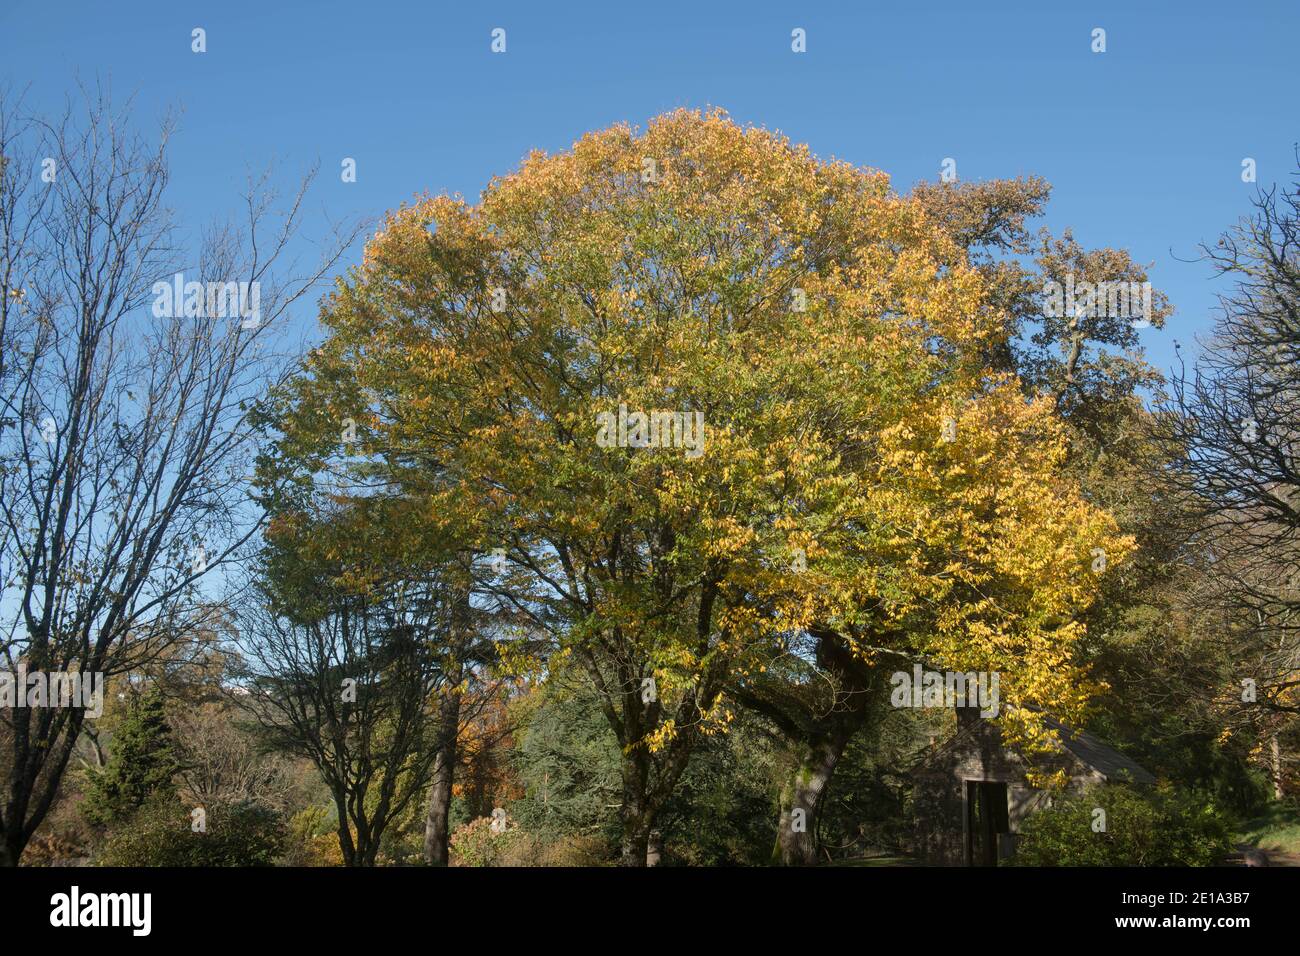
(1230, 425)
(473, 726)
(568, 764)
(809, 354)
(818, 694)
(339, 535)
(344, 677)
(222, 761)
(125, 445)
(143, 762)
(468, 690)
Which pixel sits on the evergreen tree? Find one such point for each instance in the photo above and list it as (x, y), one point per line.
(142, 763)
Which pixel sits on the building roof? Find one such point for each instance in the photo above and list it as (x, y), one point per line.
(1083, 746)
(1107, 761)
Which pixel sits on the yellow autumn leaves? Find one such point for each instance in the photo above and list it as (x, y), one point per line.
(833, 339)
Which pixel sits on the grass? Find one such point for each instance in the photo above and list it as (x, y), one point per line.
(877, 861)
(1278, 829)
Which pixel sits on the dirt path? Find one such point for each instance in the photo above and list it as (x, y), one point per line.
(1247, 855)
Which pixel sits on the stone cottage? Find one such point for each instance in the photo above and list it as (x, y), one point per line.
(970, 793)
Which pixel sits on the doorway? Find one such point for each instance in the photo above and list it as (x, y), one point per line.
(986, 818)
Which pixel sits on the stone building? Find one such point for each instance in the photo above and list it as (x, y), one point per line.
(970, 793)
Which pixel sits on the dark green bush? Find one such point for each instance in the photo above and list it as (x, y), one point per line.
(1143, 827)
(161, 834)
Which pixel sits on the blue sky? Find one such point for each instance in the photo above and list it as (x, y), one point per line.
(1143, 143)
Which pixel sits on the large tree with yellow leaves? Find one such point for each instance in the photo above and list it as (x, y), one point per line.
(834, 449)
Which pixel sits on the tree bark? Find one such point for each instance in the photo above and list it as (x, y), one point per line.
(655, 848)
(11, 849)
(635, 846)
(636, 813)
(437, 832)
(347, 848)
(796, 838)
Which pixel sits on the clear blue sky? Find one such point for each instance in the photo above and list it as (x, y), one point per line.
(1143, 143)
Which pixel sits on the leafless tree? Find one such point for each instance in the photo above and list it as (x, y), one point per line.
(125, 445)
(222, 763)
(1233, 424)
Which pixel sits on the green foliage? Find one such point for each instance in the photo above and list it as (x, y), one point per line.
(142, 763)
(1197, 762)
(160, 834)
(1153, 827)
(312, 838)
(723, 810)
(863, 808)
(567, 760)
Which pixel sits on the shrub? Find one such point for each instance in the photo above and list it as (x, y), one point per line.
(475, 843)
(312, 839)
(573, 849)
(160, 834)
(1152, 827)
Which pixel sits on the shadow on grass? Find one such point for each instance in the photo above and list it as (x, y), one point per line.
(1277, 831)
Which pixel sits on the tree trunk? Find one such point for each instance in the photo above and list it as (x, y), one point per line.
(1275, 753)
(437, 834)
(11, 849)
(636, 813)
(796, 838)
(437, 825)
(655, 848)
(347, 846)
(635, 846)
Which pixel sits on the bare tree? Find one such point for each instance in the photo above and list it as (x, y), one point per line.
(221, 761)
(1233, 423)
(125, 446)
